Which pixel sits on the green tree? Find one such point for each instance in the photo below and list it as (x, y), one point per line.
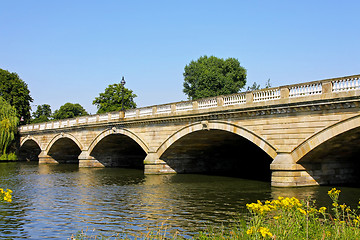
(8, 125)
(69, 110)
(114, 97)
(15, 91)
(253, 87)
(42, 114)
(268, 84)
(212, 76)
(256, 86)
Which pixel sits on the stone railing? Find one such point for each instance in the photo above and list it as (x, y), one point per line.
(328, 86)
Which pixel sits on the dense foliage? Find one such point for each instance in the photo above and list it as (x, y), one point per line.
(212, 76)
(8, 127)
(15, 91)
(42, 114)
(69, 110)
(114, 98)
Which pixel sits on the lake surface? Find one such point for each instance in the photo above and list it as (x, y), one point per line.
(56, 201)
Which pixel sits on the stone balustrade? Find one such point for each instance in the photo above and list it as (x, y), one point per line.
(239, 100)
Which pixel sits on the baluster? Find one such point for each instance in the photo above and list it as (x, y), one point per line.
(338, 85)
(350, 83)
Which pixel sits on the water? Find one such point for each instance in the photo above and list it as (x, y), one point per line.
(56, 201)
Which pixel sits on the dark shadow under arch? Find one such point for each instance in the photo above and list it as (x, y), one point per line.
(29, 151)
(218, 152)
(119, 150)
(64, 150)
(335, 161)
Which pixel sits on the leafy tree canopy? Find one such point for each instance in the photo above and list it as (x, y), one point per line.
(42, 114)
(112, 99)
(8, 125)
(69, 110)
(212, 76)
(15, 91)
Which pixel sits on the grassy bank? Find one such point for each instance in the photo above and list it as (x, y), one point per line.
(283, 218)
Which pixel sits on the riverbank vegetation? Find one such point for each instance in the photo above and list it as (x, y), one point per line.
(15, 91)
(5, 196)
(8, 130)
(282, 218)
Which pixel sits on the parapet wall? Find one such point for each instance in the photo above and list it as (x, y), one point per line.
(309, 91)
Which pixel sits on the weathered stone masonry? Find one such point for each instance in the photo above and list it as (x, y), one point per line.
(300, 127)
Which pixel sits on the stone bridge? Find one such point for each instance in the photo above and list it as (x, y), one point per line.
(295, 135)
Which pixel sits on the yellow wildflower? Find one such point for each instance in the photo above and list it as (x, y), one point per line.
(334, 191)
(302, 211)
(5, 195)
(265, 232)
(334, 194)
(250, 231)
(322, 210)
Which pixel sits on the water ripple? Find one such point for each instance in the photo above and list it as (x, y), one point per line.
(56, 201)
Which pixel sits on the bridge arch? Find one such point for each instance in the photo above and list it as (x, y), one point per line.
(220, 148)
(125, 132)
(29, 149)
(218, 125)
(324, 135)
(62, 148)
(28, 138)
(63, 135)
(118, 148)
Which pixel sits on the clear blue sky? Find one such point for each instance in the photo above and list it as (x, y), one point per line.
(70, 51)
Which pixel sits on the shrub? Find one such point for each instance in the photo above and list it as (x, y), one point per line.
(8, 157)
